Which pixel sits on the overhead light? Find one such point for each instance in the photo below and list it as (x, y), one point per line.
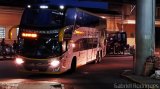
(129, 22)
(157, 22)
(134, 22)
(61, 7)
(29, 6)
(44, 7)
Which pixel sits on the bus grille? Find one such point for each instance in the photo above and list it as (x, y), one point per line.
(39, 65)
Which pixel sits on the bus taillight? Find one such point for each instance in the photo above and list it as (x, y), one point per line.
(32, 35)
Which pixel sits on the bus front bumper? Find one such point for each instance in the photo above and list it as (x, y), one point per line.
(38, 72)
(49, 70)
(43, 66)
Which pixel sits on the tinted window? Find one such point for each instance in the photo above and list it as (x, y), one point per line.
(86, 20)
(42, 18)
(40, 47)
(85, 44)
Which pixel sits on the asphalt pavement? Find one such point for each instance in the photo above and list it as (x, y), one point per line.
(105, 75)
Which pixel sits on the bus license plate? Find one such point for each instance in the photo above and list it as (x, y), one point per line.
(34, 70)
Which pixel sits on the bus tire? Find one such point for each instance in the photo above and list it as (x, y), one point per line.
(73, 65)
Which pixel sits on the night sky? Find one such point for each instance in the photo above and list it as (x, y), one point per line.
(22, 3)
(95, 7)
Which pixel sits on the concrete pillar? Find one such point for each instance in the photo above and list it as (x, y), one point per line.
(145, 32)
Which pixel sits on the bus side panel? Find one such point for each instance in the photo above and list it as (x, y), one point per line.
(79, 49)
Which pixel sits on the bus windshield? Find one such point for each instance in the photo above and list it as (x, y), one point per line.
(42, 18)
(44, 22)
(43, 47)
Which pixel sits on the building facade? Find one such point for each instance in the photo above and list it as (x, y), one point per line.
(9, 21)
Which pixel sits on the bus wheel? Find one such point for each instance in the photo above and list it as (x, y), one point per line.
(73, 65)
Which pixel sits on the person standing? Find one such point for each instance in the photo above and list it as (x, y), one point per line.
(14, 46)
(3, 48)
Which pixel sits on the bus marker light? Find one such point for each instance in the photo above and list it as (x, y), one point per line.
(32, 35)
(78, 32)
(73, 45)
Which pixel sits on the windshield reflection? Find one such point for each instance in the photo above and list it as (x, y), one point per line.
(40, 48)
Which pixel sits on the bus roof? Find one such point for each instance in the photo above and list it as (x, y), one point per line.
(78, 9)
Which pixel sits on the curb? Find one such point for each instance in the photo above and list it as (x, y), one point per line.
(128, 77)
(118, 55)
(133, 80)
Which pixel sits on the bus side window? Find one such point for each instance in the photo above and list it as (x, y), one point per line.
(85, 44)
(78, 45)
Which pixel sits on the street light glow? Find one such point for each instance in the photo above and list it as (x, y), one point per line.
(29, 6)
(44, 7)
(61, 7)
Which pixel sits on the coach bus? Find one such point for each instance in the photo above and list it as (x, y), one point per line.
(53, 41)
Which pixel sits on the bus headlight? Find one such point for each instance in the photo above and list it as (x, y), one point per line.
(54, 63)
(19, 61)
